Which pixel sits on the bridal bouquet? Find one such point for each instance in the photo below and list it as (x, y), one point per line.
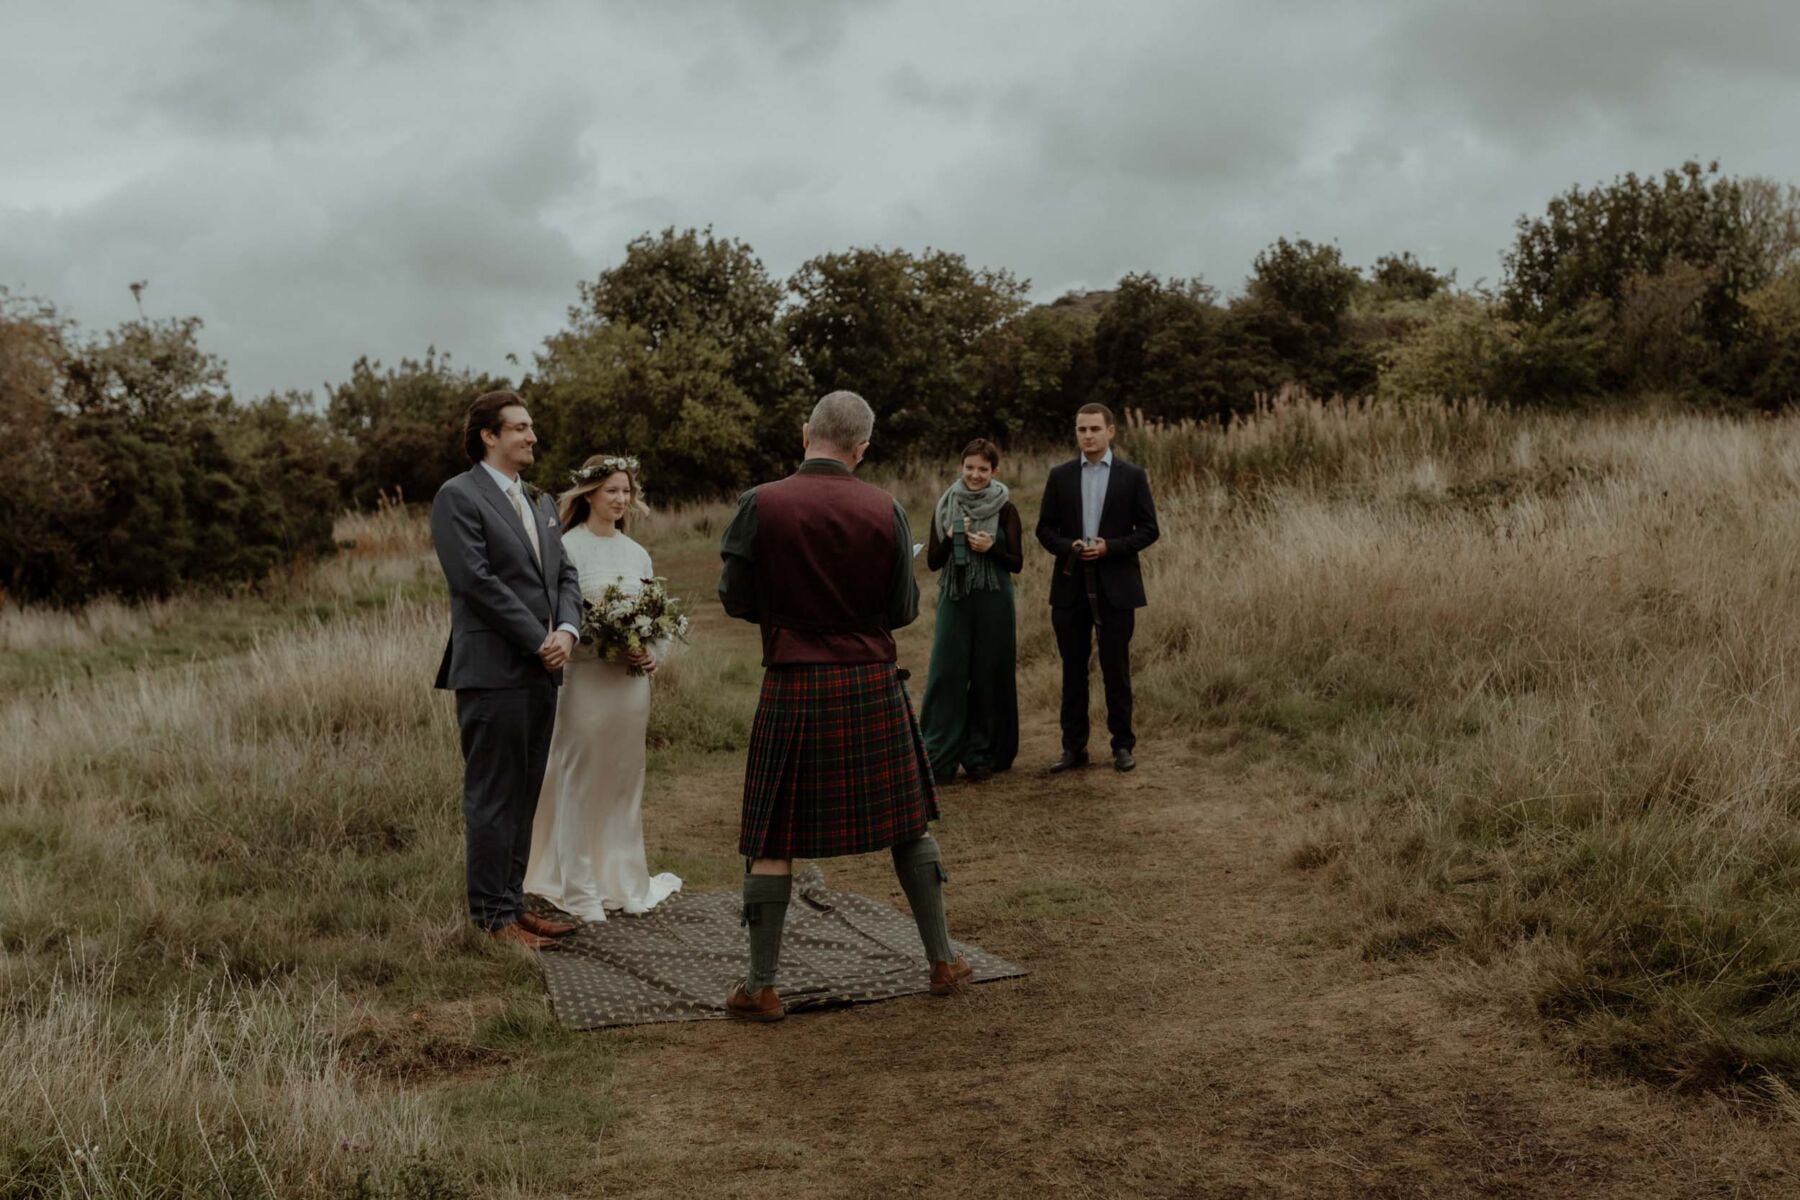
(620, 621)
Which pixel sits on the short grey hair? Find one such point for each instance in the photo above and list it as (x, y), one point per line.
(842, 420)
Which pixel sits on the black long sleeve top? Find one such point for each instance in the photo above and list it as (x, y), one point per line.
(1008, 551)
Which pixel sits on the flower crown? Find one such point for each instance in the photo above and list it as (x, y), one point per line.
(612, 464)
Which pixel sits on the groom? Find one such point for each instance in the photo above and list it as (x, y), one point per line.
(823, 563)
(515, 612)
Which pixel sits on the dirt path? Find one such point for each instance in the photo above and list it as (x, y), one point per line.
(1184, 1033)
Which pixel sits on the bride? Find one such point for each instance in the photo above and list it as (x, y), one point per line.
(587, 841)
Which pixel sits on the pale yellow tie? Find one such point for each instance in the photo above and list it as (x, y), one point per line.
(531, 533)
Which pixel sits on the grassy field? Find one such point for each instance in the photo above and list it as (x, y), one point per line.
(1479, 718)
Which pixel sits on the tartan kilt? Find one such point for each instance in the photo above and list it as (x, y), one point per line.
(836, 764)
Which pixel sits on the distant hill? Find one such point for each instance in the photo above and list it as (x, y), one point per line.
(1083, 302)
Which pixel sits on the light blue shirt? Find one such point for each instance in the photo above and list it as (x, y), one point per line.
(1094, 478)
(515, 492)
(510, 485)
(507, 482)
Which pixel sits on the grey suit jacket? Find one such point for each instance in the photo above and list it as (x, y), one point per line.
(501, 603)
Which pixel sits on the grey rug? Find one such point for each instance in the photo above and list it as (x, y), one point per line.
(677, 962)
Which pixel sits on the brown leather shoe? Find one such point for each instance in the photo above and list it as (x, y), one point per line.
(951, 978)
(762, 1005)
(545, 927)
(520, 937)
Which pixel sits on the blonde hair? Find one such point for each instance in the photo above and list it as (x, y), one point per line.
(573, 506)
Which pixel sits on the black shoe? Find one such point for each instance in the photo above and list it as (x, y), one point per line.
(1069, 761)
(980, 774)
(1122, 760)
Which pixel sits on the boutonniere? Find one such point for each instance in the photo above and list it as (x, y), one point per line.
(533, 494)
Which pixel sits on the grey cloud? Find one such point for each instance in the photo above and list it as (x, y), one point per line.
(804, 29)
(802, 33)
(1519, 70)
(1171, 101)
(271, 69)
(908, 85)
(322, 180)
(296, 282)
(1193, 141)
(717, 71)
(244, 75)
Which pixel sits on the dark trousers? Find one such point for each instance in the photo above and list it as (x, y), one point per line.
(1075, 638)
(505, 744)
(970, 714)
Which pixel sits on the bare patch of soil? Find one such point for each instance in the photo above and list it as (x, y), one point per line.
(1185, 1032)
(430, 1045)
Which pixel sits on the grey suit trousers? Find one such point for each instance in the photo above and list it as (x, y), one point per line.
(505, 745)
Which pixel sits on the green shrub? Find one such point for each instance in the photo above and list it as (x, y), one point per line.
(138, 473)
(406, 424)
(1450, 353)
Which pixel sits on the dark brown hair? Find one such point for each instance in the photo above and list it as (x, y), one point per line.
(986, 449)
(484, 417)
(1094, 407)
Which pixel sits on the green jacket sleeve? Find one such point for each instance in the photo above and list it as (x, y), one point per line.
(903, 598)
(737, 582)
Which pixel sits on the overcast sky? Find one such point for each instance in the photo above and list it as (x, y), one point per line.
(323, 180)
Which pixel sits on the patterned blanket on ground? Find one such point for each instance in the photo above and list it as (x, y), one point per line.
(677, 962)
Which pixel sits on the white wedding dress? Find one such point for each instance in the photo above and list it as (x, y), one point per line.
(587, 840)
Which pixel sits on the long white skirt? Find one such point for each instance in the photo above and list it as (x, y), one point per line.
(587, 840)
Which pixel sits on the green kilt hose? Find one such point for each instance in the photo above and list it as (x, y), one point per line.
(836, 764)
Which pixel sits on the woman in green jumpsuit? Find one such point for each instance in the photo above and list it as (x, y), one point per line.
(970, 714)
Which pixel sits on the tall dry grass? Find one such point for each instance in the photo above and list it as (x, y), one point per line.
(197, 852)
(205, 855)
(1546, 665)
(1540, 664)
(242, 1091)
(384, 556)
(29, 630)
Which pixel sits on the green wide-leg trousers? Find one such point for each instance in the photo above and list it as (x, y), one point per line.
(970, 714)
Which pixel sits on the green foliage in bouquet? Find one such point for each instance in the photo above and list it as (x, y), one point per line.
(621, 622)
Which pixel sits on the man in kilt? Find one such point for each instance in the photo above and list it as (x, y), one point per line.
(822, 562)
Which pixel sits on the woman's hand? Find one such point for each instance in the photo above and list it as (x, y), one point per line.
(643, 660)
(981, 543)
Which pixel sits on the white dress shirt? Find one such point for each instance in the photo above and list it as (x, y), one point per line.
(515, 495)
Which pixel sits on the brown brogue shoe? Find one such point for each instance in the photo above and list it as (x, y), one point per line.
(547, 927)
(951, 978)
(761, 1005)
(520, 937)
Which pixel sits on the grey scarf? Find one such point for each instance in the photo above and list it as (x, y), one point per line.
(981, 511)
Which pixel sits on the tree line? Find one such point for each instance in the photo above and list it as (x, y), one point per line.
(134, 470)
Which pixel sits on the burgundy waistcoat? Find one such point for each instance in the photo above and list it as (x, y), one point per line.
(825, 557)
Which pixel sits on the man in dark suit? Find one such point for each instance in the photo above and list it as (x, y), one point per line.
(1097, 517)
(515, 613)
